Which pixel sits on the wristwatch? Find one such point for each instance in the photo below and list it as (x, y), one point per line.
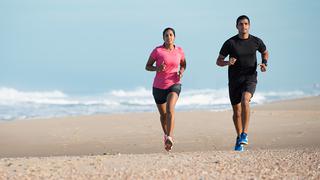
(264, 61)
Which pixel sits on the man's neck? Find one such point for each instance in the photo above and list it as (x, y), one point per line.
(243, 35)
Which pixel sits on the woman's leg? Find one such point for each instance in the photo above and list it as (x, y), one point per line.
(170, 109)
(171, 102)
(163, 117)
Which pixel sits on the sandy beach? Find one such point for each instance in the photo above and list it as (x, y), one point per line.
(283, 143)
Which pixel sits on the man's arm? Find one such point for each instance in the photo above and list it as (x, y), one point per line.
(264, 63)
(221, 62)
(265, 56)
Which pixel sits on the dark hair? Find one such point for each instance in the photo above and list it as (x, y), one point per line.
(168, 28)
(242, 17)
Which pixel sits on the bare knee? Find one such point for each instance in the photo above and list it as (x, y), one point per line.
(170, 112)
(163, 116)
(245, 102)
(237, 113)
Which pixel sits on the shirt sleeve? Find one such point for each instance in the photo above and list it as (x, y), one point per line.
(225, 49)
(261, 46)
(154, 54)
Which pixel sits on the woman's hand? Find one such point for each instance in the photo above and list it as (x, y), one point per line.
(180, 74)
(161, 68)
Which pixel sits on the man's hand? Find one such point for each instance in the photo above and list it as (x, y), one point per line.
(232, 61)
(263, 67)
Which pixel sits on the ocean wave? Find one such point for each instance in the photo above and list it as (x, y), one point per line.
(138, 92)
(15, 104)
(13, 96)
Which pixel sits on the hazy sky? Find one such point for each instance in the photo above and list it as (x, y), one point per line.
(91, 46)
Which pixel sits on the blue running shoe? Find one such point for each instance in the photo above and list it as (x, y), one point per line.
(243, 139)
(238, 146)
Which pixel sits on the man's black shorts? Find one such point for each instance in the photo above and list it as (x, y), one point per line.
(237, 88)
(160, 95)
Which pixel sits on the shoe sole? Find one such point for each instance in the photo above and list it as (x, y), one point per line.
(239, 150)
(243, 143)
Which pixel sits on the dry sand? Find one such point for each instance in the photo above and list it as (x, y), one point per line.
(283, 136)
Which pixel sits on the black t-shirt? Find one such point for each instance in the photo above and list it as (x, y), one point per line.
(244, 50)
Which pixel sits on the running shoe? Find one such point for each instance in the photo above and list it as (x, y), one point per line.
(168, 143)
(238, 146)
(244, 139)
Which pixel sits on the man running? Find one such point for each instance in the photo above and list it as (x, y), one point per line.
(242, 74)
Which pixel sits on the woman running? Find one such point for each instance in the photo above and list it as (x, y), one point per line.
(170, 65)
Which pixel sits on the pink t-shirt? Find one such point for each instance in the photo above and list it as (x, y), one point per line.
(172, 59)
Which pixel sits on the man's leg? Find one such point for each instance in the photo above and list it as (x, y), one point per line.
(235, 98)
(238, 125)
(245, 114)
(237, 118)
(245, 106)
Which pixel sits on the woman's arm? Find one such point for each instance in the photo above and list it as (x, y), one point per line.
(149, 65)
(183, 66)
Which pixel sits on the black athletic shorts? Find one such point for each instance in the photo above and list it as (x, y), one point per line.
(236, 89)
(160, 95)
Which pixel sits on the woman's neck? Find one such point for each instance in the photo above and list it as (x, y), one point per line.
(169, 46)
